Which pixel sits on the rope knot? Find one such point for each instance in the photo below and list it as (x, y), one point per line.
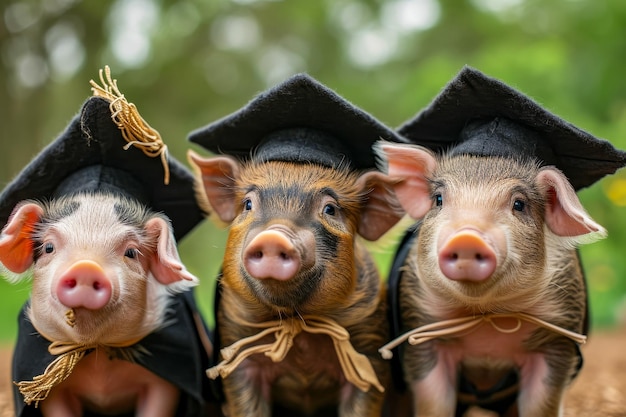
(356, 367)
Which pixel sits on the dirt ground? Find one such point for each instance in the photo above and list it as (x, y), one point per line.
(599, 391)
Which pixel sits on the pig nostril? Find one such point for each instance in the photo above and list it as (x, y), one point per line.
(466, 256)
(272, 254)
(84, 284)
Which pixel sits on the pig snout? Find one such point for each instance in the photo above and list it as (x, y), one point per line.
(84, 284)
(278, 253)
(467, 256)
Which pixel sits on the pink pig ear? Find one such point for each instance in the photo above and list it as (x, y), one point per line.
(165, 264)
(217, 178)
(382, 209)
(565, 215)
(410, 166)
(16, 243)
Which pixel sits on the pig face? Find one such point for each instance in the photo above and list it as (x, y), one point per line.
(102, 267)
(292, 228)
(488, 224)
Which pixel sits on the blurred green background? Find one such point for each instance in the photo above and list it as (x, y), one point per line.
(187, 63)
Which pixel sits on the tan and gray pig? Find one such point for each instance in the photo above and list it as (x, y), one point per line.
(490, 292)
(110, 327)
(301, 309)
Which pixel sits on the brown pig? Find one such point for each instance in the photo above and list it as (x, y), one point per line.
(301, 306)
(490, 292)
(110, 327)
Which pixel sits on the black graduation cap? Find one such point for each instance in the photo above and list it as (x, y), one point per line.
(108, 147)
(299, 120)
(478, 115)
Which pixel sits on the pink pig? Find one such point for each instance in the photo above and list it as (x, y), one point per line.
(104, 268)
(493, 285)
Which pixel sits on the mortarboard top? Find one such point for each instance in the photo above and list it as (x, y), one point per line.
(95, 153)
(299, 120)
(478, 115)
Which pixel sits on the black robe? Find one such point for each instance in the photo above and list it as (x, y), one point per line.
(176, 354)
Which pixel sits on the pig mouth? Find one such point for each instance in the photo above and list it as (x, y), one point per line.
(292, 294)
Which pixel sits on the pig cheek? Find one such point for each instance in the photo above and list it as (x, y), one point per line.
(131, 302)
(232, 268)
(527, 258)
(426, 257)
(336, 252)
(46, 313)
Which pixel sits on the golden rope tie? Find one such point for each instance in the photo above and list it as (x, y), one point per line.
(456, 326)
(356, 367)
(69, 354)
(134, 128)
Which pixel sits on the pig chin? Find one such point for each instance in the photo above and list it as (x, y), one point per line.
(470, 293)
(292, 294)
(497, 294)
(89, 327)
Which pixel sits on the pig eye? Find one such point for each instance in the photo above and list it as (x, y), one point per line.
(130, 253)
(329, 209)
(519, 205)
(48, 248)
(438, 200)
(247, 204)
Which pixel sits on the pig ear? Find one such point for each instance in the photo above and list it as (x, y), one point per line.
(410, 166)
(565, 215)
(165, 264)
(16, 243)
(216, 182)
(382, 209)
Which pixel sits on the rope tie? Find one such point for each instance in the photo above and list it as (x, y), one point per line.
(135, 130)
(69, 354)
(356, 367)
(459, 325)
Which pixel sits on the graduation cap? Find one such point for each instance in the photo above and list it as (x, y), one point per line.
(109, 147)
(478, 115)
(299, 120)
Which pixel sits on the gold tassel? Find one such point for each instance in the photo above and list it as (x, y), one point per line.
(38, 389)
(356, 367)
(134, 128)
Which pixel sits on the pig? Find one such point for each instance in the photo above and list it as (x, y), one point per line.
(293, 258)
(493, 276)
(105, 269)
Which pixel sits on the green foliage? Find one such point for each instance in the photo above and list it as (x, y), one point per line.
(205, 59)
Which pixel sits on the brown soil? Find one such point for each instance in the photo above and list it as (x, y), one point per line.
(600, 389)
